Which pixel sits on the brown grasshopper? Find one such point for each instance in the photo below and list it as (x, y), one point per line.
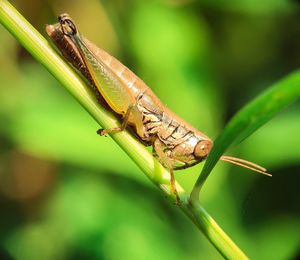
(176, 144)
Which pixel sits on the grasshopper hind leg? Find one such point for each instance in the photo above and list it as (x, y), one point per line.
(114, 130)
(135, 116)
(168, 163)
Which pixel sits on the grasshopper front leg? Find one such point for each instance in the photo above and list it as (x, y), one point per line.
(168, 163)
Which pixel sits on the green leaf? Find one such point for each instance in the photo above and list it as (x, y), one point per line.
(249, 119)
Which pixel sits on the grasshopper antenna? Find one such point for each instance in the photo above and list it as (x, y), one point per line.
(246, 164)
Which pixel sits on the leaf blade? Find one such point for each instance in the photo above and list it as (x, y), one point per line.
(249, 119)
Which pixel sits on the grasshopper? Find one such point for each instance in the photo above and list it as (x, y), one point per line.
(176, 144)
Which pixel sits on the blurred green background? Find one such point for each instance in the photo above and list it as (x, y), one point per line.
(66, 193)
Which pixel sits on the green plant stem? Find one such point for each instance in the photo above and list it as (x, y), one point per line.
(43, 52)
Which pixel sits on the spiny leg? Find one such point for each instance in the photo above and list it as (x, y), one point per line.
(120, 128)
(173, 186)
(167, 162)
(135, 117)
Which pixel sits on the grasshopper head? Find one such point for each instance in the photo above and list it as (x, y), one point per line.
(202, 149)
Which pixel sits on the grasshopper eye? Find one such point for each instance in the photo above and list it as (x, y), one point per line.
(67, 25)
(202, 149)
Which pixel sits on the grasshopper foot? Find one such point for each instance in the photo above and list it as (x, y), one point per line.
(174, 190)
(102, 132)
(178, 201)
